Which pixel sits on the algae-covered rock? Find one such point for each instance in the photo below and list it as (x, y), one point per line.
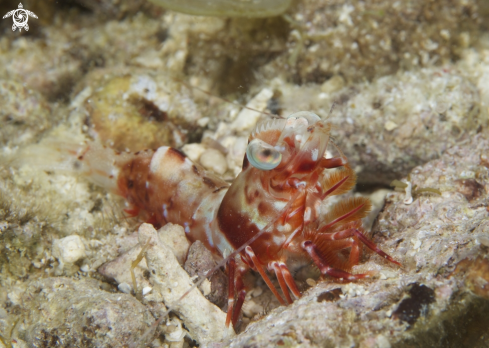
(24, 113)
(115, 113)
(368, 39)
(397, 122)
(69, 313)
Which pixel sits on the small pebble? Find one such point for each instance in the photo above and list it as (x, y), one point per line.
(333, 84)
(146, 290)
(257, 291)
(214, 160)
(125, 288)
(389, 125)
(85, 268)
(251, 308)
(193, 151)
(311, 282)
(69, 249)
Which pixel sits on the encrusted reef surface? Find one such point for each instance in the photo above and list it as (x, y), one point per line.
(406, 87)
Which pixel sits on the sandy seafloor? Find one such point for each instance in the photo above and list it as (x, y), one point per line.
(410, 85)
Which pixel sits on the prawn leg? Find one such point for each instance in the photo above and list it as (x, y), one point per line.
(231, 270)
(235, 282)
(285, 279)
(249, 252)
(281, 280)
(313, 252)
(354, 232)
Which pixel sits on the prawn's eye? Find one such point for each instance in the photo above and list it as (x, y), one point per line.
(310, 117)
(262, 155)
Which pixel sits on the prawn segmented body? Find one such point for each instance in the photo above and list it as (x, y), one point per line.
(274, 203)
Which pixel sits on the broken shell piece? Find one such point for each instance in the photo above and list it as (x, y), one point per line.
(205, 287)
(214, 160)
(247, 118)
(204, 321)
(174, 237)
(125, 288)
(409, 196)
(251, 308)
(174, 330)
(193, 151)
(311, 282)
(69, 249)
(389, 125)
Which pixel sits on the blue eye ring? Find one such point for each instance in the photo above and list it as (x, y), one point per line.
(262, 155)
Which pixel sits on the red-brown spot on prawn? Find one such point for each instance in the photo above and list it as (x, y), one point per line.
(263, 208)
(246, 163)
(209, 182)
(176, 154)
(306, 166)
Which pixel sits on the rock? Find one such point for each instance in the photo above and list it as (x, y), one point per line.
(204, 321)
(69, 249)
(24, 115)
(141, 100)
(199, 261)
(174, 237)
(69, 313)
(214, 160)
(193, 151)
(370, 39)
(246, 119)
(119, 269)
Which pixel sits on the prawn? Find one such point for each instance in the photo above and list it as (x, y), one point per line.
(268, 218)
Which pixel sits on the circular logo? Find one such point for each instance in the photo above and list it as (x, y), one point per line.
(20, 17)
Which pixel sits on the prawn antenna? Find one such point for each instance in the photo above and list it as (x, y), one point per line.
(332, 108)
(227, 100)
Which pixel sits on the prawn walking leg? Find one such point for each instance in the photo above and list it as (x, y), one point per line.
(313, 252)
(354, 232)
(285, 279)
(235, 282)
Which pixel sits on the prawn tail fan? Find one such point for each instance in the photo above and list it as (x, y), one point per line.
(73, 155)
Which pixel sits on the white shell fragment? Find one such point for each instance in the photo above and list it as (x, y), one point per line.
(246, 119)
(146, 290)
(125, 288)
(214, 160)
(204, 321)
(69, 249)
(174, 237)
(227, 8)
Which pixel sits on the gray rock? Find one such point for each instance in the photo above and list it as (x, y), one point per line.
(199, 261)
(63, 312)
